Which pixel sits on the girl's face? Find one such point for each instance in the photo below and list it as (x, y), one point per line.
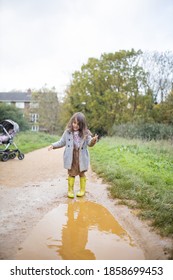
(75, 125)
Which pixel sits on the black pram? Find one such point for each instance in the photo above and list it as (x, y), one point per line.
(8, 129)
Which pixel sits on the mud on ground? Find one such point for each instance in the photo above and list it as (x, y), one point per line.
(32, 187)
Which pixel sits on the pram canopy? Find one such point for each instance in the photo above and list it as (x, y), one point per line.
(9, 124)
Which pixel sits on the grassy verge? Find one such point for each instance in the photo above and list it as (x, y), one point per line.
(141, 175)
(29, 141)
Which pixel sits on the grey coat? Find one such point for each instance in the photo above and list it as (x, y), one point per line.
(67, 141)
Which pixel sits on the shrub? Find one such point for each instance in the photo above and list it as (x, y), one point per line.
(144, 131)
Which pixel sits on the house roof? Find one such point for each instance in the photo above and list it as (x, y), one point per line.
(15, 96)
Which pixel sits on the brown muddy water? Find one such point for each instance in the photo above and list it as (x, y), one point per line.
(79, 230)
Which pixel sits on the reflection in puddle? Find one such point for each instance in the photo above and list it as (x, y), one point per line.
(80, 230)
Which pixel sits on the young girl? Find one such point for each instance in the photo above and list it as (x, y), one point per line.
(76, 138)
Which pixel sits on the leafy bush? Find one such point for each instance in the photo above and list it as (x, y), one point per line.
(145, 131)
(15, 114)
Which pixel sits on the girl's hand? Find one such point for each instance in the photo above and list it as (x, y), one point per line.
(50, 148)
(95, 138)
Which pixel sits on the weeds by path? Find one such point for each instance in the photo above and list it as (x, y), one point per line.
(141, 175)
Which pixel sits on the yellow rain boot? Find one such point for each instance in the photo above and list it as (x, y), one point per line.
(71, 186)
(82, 186)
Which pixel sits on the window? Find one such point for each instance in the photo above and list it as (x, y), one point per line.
(20, 105)
(34, 118)
(34, 128)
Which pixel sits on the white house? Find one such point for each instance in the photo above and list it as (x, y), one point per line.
(23, 101)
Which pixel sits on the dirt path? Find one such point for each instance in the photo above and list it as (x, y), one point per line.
(30, 188)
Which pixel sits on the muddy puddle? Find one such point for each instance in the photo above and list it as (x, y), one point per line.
(79, 230)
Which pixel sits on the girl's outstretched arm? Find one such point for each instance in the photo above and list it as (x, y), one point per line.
(60, 143)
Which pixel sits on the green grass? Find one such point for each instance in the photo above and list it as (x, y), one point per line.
(141, 175)
(29, 141)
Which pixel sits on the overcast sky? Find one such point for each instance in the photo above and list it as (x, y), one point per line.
(45, 41)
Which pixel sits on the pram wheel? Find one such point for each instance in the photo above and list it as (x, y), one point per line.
(21, 156)
(12, 155)
(5, 157)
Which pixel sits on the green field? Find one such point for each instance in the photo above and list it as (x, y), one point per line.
(30, 141)
(140, 174)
